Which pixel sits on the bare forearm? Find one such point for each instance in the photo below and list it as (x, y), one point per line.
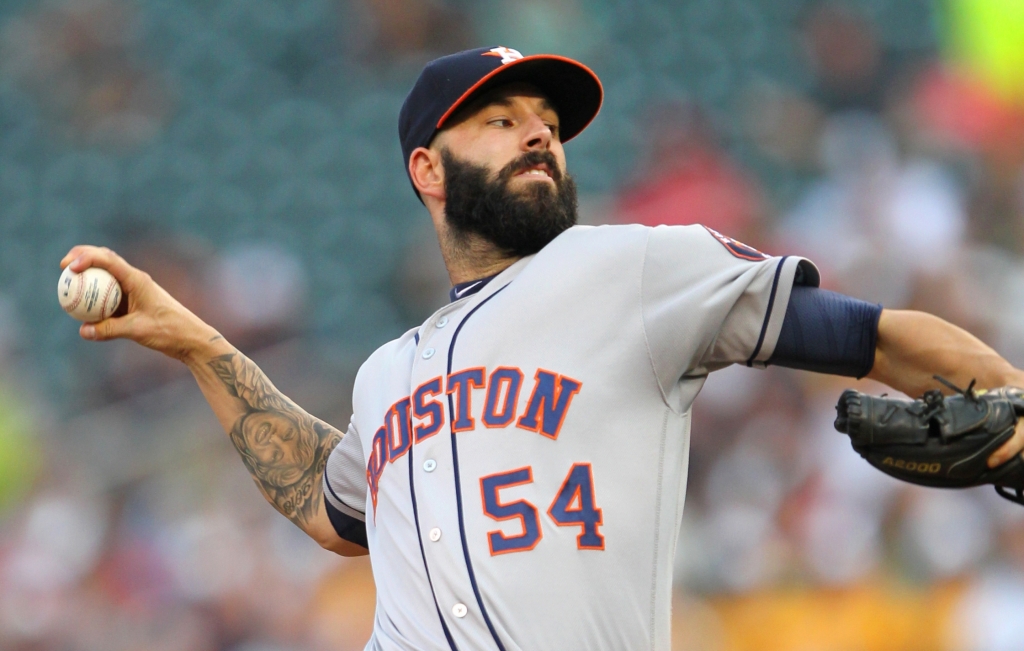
(284, 448)
(914, 346)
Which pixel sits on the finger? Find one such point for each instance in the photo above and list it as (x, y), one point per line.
(128, 276)
(74, 253)
(1007, 450)
(107, 329)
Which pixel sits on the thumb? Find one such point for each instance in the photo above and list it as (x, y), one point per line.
(1008, 450)
(106, 329)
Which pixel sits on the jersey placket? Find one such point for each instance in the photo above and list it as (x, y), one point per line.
(433, 486)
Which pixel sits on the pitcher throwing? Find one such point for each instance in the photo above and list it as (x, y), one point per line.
(516, 465)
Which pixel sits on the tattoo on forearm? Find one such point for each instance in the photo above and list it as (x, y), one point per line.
(284, 448)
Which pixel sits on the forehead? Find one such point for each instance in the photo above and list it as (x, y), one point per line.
(505, 95)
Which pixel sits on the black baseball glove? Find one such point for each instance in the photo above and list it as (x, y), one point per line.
(937, 441)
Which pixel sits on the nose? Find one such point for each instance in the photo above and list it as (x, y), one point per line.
(537, 135)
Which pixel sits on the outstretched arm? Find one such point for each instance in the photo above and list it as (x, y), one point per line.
(284, 448)
(913, 346)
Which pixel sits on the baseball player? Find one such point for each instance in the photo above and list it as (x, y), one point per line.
(515, 466)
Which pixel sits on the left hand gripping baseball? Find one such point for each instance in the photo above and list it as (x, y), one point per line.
(944, 442)
(148, 314)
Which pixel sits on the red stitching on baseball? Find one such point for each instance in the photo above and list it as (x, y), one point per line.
(103, 304)
(78, 296)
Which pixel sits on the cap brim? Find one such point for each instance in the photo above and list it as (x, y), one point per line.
(572, 88)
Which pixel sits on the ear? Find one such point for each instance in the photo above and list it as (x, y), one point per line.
(427, 172)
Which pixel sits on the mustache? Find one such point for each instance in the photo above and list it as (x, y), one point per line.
(532, 159)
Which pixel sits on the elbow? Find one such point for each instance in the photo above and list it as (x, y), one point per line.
(329, 539)
(342, 547)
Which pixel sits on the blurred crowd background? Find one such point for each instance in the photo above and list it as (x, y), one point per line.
(245, 153)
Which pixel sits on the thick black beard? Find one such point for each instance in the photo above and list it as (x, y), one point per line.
(517, 223)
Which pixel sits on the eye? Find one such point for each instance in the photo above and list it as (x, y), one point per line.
(501, 122)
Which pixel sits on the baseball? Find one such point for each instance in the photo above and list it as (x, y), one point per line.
(90, 296)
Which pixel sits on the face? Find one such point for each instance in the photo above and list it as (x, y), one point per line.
(280, 451)
(517, 221)
(502, 125)
(504, 172)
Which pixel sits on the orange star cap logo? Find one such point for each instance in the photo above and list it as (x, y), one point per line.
(507, 54)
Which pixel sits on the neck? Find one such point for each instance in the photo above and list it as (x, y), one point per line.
(471, 258)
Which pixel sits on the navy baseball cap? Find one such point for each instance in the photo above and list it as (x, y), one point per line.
(454, 80)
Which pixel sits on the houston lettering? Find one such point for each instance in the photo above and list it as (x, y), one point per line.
(477, 397)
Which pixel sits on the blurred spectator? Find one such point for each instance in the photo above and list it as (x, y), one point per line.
(257, 293)
(945, 533)
(177, 263)
(687, 178)
(253, 292)
(851, 70)
(987, 616)
(80, 58)
(58, 542)
(873, 221)
(342, 608)
(885, 219)
(783, 124)
(960, 116)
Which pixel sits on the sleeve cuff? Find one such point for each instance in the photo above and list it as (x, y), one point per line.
(348, 527)
(791, 270)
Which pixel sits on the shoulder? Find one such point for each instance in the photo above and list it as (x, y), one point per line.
(603, 235)
(608, 252)
(585, 246)
(700, 247)
(584, 255)
(625, 236)
(601, 244)
(382, 360)
(700, 237)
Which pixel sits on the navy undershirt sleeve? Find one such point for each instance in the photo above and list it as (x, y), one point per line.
(348, 528)
(827, 332)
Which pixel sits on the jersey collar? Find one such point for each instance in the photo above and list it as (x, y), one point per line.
(470, 287)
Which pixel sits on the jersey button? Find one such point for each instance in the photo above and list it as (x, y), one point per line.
(429, 465)
(460, 610)
(442, 322)
(435, 534)
(428, 353)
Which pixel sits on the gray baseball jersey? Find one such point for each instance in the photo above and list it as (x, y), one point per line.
(520, 459)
